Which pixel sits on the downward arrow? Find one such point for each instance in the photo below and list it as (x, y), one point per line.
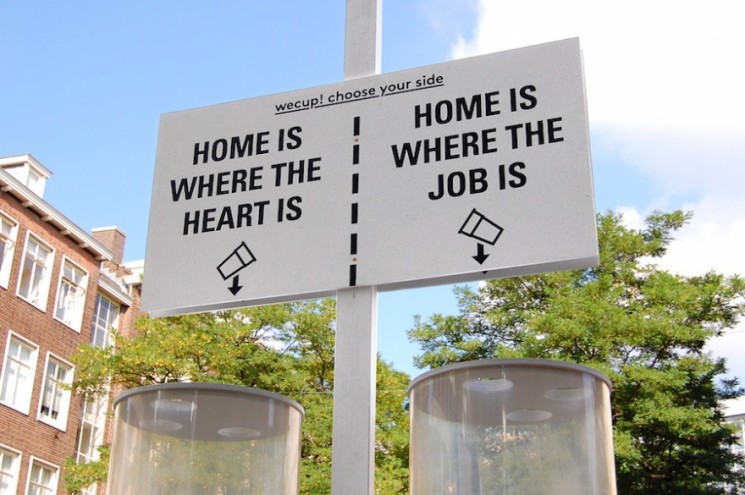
(235, 287)
(480, 256)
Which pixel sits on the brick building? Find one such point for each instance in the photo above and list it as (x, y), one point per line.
(59, 287)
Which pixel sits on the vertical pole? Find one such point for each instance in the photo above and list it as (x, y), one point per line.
(363, 38)
(353, 453)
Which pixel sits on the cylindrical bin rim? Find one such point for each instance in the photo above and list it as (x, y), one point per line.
(489, 363)
(219, 387)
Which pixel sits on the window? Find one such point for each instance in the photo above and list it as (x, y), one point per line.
(9, 467)
(105, 320)
(71, 295)
(55, 395)
(91, 428)
(91, 433)
(18, 374)
(8, 232)
(33, 285)
(42, 479)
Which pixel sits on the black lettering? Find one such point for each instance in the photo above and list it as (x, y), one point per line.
(470, 144)
(477, 179)
(223, 181)
(488, 136)
(295, 172)
(184, 187)
(443, 111)
(208, 218)
(492, 103)
(535, 133)
(553, 129)
(238, 148)
(313, 169)
(456, 184)
(406, 154)
(530, 133)
(206, 185)
(462, 108)
(516, 171)
(419, 115)
(432, 147)
(243, 217)
(293, 137)
(278, 173)
(226, 219)
(448, 148)
(239, 180)
(530, 100)
(293, 205)
(201, 152)
(252, 144)
(513, 133)
(219, 150)
(440, 191)
(465, 111)
(191, 223)
(254, 182)
(451, 146)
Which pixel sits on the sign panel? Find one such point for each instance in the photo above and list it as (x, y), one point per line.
(472, 169)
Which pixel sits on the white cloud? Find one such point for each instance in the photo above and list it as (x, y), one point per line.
(660, 64)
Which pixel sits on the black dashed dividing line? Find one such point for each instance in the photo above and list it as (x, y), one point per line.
(352, 275)
(355, 206)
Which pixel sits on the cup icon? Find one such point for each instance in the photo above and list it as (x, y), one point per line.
(239, 259)
(479, 227)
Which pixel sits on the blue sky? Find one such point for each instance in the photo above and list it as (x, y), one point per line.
(83, 85)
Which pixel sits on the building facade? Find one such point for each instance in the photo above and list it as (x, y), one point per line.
(60, 287)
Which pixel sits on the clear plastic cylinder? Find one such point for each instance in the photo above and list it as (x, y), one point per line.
(199, 438)
(511, 427)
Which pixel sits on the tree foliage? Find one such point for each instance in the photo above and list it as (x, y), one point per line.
(79, 476)
(643, 327)
(288, 349)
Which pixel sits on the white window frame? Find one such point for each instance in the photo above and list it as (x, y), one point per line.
(39, 295)
(71, 290)
(91, 434)
(101, 331)
(33, 486)
(11, 474)
(60, 393)
(22, 403)
(93, 420)
(8, 236)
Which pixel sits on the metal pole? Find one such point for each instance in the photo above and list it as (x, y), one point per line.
(363, 38)
(353, 453)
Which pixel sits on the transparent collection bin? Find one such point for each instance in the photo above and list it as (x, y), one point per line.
(200, 438)
(511, 427)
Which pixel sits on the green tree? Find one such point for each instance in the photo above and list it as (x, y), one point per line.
(643, 327)
(79, 476)
(288, 349)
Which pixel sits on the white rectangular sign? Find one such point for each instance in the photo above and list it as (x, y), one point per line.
(472, 169)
